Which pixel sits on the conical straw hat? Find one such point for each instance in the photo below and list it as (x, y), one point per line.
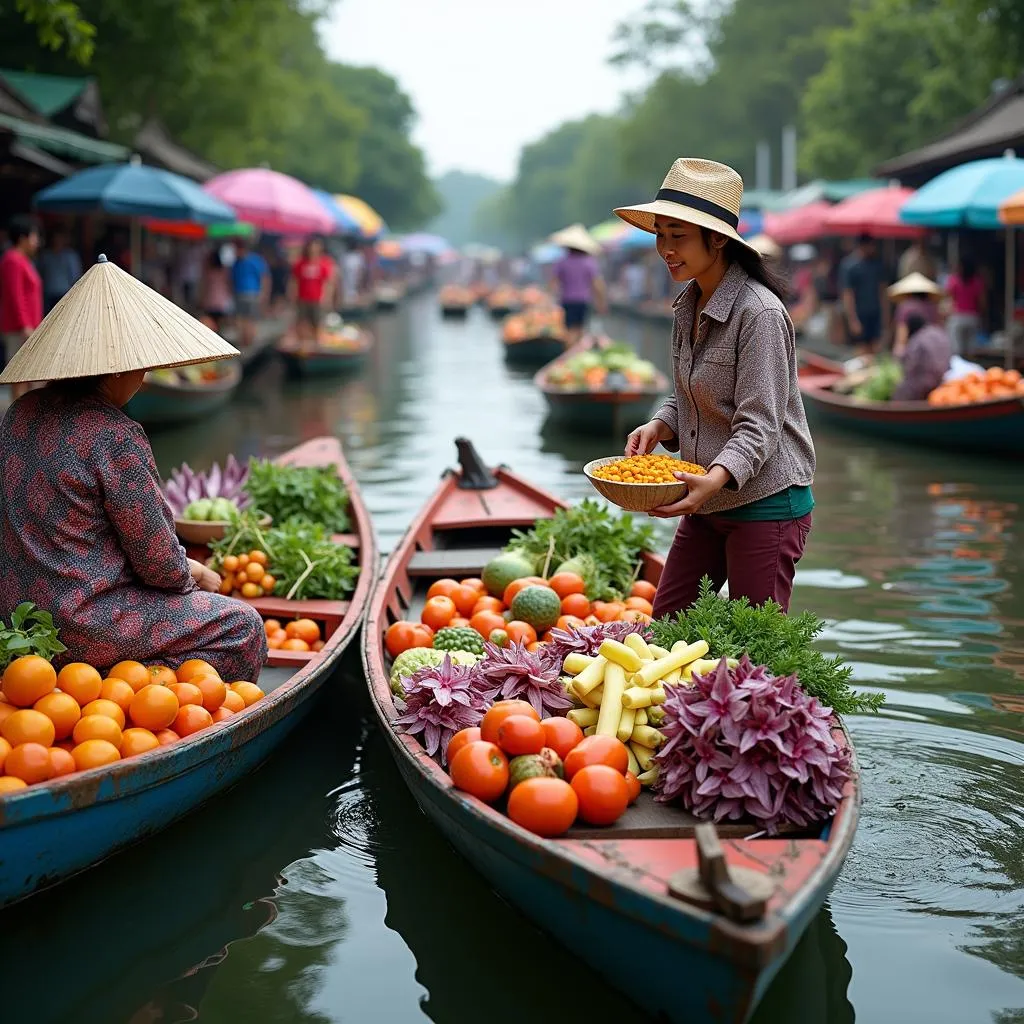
(576, 237)
(110, 322)
(914, 284)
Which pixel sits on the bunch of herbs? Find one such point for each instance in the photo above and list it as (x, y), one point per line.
(31, 632)
(310, 494)
(308, 564)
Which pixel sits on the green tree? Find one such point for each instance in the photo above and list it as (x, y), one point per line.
(461, 196)
(59, 25)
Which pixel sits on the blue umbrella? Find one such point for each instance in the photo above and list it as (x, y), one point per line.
(966, 196)
(347, 224)
(636, 238)
(751, 223)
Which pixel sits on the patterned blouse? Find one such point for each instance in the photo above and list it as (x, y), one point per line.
(86, 533)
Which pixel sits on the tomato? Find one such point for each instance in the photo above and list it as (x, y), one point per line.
(576, 604)
(639, 604)
(442, 588)
(597, 750)
(561, 735)
(438, 612)
(488, 604)
(520, 632)
(464, 599)
(459, 740)
(566, 583)
(516, 585)
(475, 583)
(400, 636)
(608, 612)
(634, 786)
(643, 589)
(481, 770)
(602, 792)
(485, 622)
(520, 734)
(569, 622)
(632, 615)
(459, 621)
(497, 714)
(545, 806)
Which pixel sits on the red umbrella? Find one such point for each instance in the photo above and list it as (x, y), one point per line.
(272, 201)
(803, 224)
(875, 212)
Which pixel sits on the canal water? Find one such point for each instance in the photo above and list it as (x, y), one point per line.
(316, 892)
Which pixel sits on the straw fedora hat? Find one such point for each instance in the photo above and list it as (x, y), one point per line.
(700, 192)
(576, 237)
(914, 284)
(110, 322)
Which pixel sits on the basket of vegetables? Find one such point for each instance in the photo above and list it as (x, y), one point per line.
(206, 504)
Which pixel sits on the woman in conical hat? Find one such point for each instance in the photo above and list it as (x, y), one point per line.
(577, 280)
(736, 408)
(914, 295)
(85, 531)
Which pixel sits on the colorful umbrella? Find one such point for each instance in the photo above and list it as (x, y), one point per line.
(345, 223)
(636, 238)
(876, 212)
(272, 201)
(183, 229)
(1011, 211)
(609, 231)
(966, 196)
(390, 249)
(751, 223)
(370, 222)
(799, 225)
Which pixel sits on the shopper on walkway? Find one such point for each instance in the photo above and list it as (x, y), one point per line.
(21, 291)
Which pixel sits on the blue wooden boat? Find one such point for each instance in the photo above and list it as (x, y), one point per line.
(53, 830)
(992, 427)
(160, 404)
(324, 360)
(601, 892)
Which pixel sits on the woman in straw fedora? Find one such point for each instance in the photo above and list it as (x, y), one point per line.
(85, 531)
(736, 407)
(577, 279)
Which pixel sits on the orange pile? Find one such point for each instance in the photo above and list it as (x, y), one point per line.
(467, 603)
(54, 724)
(299, 635)
(246, 575)
(994, 383)
(646, 469)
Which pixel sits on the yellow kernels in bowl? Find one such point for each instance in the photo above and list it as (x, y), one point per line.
(646, 469)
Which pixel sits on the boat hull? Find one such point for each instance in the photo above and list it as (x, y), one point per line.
(159, 405)
(613, 413)
(322, 364)
(455, 312)
(533, 351)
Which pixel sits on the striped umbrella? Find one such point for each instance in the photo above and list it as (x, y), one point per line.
(370, 222)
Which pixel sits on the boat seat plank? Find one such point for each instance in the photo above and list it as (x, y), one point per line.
(454, 562)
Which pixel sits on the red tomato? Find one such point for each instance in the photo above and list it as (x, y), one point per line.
(438, 612)
(480, 769)
(561, 735)
(400, 636)
(475, 583)
(543, 805)
(608, 612)
(459, 740)
(576, 604)
(569, 622)
(464, 598)
(643, 589)
(634, 786)
(442, 588)
(566, 583)
(602, 792)
(516, 585)
(488, 604)
(459, 621)
(485, 622)
(520, 734)
(597, 750)
(497, 714)
(639, 604)
(520, 632)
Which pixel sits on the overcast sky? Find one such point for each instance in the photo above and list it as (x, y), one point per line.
(485, 75)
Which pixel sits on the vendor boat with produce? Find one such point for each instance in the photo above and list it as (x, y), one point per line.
(339, 348)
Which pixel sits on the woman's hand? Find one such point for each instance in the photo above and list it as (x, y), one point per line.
(699, 489)
(206, 578)
(644, 439)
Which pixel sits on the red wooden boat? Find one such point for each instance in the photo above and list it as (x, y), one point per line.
(604, 893)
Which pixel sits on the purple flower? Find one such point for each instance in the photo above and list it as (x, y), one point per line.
(514, 673)
(741, 743)
(587, 639)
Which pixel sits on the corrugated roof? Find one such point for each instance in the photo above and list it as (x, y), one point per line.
(49, 94)
(64, 142)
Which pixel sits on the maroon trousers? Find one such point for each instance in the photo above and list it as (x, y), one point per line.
(757, 558)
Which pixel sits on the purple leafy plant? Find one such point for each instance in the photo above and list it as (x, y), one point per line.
(744, 743)
(587, 639)
(185, 485)
(439, 701)
(514, 673)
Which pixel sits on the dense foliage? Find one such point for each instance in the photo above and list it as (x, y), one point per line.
(313, 494)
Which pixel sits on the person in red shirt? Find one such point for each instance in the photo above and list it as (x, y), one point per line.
(21, 291)
(311, 287)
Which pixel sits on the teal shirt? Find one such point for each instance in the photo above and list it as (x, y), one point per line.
(792, 503)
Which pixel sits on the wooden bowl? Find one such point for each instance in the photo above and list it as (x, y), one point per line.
(632, 497)
(201, 531)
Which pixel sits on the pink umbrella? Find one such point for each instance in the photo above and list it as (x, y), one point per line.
(272, 201)
(875, 212)
(803, 224)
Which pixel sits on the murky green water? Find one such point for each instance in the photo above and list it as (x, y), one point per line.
(316, 892)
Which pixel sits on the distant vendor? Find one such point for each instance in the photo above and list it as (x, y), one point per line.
(924, 357)
(85, 530)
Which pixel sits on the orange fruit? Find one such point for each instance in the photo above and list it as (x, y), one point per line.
(213, 690)
(154, 707)
(233, 700)
(566, 583)
(442, 588)
(641, 588)
(639, 604)
(97, 727)
(119, 691)
(6, 710)
(94, 753)
(516, 585)
(5, 749)
(27, 679)
(9, 783)
(80, 681)
(459, 621)
(162, 675)
(167, 736)
(61, 762)
(520, 632)
(274, 642)
(249, 692)
(191, 718)
(465, 598)
(295, 644)
(28, 726)
(187, 693)
(194, 667)
(317, 645)
(61, 709)
(137, 741)
(488, 604)
(576, 604)
(132, 672)
(254, 572)
(485, 622)
(303, 629)
(221, 713)
(259, 557)
(567, 622)
(609, 612)
(105, 707)
(29, 762)
(271, 626)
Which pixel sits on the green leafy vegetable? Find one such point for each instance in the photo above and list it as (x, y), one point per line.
(769, 637)
(591, 529)
(884, 378)
(31, 632)
(311, 494)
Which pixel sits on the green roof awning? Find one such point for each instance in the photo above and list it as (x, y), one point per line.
(64, 142)
(49, 94)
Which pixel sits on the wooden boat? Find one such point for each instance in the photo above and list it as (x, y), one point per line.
(992, 427)
(160, 404)
(388, 296)
(51, 831)
(323, 360)
(604, 893)
(614, 410)
(358, 308)
(533, 351)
